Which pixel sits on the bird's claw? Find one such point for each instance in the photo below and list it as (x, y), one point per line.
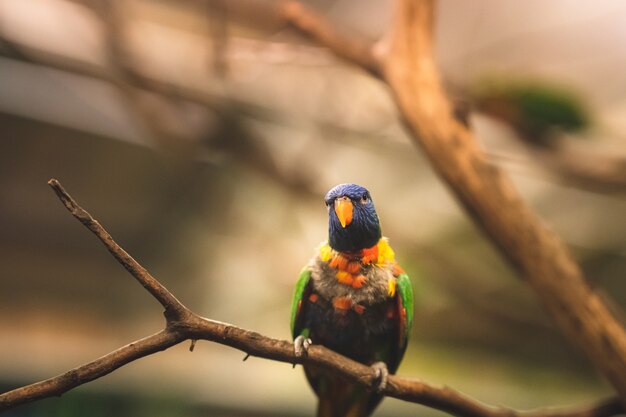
(301, 346)
(381, 373)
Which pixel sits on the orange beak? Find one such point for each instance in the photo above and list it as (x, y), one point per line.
(343, 209)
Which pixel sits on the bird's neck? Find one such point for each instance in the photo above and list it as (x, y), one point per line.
(365, 255)
(379, 253)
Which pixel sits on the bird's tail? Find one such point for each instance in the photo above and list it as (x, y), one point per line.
(339, 397)
(329, 408)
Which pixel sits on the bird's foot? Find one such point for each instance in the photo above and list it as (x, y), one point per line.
(381, 373)
(301, 346)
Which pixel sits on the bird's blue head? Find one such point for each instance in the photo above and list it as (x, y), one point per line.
(352, 221)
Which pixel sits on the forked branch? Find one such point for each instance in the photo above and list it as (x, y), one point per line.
(182, 324)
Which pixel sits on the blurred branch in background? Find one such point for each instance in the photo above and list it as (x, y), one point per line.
(182, 324)
(550, 122)
(134, 85)
(568, 165)
(579, 168)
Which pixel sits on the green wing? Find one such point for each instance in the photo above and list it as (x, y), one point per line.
(296, 303)
(405, 307)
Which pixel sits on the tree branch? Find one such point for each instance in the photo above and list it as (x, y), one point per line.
(184, 325)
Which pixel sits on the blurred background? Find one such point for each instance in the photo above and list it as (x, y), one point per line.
(203, 135)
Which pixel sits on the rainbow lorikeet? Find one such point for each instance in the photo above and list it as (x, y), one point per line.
(353, 298)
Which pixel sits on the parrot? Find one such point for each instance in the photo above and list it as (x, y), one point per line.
(353, 298)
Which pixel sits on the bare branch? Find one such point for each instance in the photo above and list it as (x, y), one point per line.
(191, 326)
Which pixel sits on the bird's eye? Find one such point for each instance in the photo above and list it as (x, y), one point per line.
(364, 199)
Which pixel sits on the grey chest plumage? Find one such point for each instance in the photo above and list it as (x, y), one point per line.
(354, 332)
(373, 291)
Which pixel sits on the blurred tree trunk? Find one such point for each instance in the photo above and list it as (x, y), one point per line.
(489, 196)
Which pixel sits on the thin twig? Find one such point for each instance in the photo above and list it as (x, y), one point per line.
(191, 326)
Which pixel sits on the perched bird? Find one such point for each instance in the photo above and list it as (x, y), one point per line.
(353, 298)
